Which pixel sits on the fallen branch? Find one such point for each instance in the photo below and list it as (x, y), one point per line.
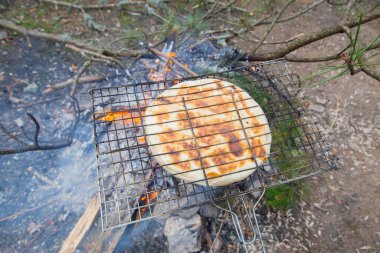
(66, 40)
(305, 40)
(92, 6)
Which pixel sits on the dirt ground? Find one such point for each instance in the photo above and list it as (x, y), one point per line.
(348, 219)
(345, 204)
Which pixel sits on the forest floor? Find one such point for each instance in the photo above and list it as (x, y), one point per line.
(347, 216)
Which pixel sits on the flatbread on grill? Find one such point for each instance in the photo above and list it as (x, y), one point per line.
(225, 152)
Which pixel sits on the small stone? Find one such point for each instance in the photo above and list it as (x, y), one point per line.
(188, 213)
(31, 88)
(321, 101)
(19, 122)
(3, 34)
(317, 108)
(209, 211)
(183, 235)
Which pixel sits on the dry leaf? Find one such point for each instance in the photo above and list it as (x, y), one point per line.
(73, 67)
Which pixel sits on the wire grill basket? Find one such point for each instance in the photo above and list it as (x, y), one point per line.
(133, 187)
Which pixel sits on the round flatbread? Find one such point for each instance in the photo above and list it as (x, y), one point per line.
(200, 118)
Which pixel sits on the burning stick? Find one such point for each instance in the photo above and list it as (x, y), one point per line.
(168, 57)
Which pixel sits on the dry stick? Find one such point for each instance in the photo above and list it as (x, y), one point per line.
(15, 215)
(92, 6)
(82, 226)
(155, 51)
(272, 26)
(81, 80)
(77, 76)
(65, 40)
(305, 40)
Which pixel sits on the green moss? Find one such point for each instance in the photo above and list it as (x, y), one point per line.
(286, 143)
(258, 93)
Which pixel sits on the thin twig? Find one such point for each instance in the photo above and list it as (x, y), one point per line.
(86, 52)
(41, 177)
(77, 76)
(295, 15)
(67, 83)
(335, 117)
(347, 10)
(217, 234)
(277, 42)
(272, 26)
(11, 135)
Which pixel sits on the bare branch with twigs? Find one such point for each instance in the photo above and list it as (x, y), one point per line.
(308, 39)
(36, 144)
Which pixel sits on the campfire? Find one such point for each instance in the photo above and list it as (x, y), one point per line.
(134, 187)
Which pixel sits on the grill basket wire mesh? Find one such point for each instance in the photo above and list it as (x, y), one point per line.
(133, 187)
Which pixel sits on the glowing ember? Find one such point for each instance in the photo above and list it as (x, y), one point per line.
(144, 201)
(127, 117)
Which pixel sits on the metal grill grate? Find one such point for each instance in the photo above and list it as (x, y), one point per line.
(133, 187)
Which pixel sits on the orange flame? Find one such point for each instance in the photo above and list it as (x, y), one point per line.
(165, 68)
